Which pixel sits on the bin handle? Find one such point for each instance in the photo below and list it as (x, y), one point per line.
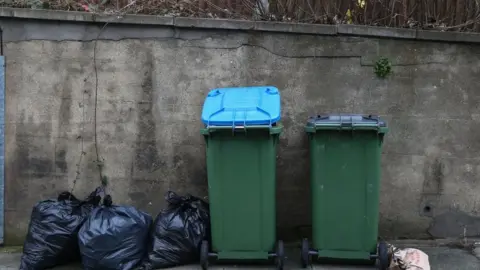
(234, 112)
(352, 124)
(245, 118)
(234, 118)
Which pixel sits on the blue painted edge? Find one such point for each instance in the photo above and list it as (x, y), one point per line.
(2, 148)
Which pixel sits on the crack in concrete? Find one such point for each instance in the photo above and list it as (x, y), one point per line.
(176, 34)
(241, 45)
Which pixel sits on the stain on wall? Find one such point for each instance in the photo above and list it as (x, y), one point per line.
(433, 186)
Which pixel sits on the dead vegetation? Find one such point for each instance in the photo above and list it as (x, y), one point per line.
(443, 15)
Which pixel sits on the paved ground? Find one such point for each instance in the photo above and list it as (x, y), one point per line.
(441, 258)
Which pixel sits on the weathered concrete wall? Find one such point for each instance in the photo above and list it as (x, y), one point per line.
(151, 86)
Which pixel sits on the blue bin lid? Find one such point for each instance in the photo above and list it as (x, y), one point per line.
(242, 106)
(347, 121)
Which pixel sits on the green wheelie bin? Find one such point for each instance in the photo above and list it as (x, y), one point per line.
(345, 153)
(241, 133)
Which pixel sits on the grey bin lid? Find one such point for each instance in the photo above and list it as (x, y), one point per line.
(347, 122)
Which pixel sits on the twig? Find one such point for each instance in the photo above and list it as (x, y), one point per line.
(312, 10)
(469, 22)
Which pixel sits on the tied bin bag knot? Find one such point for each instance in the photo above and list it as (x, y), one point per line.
(178, 232)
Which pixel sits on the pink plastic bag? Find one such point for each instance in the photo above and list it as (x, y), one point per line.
(409, 259)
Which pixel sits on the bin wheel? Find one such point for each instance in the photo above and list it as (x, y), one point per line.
(280, 260)
(305, 256)
(383, 262)
(204, 255)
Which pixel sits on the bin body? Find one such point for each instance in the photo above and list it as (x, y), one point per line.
(241, 170)
(345, 152)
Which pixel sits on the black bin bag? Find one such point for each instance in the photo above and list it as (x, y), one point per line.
(114, 237)
(52, 237)
(178, 231)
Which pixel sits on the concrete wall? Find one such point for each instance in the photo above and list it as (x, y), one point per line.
(152, 80)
